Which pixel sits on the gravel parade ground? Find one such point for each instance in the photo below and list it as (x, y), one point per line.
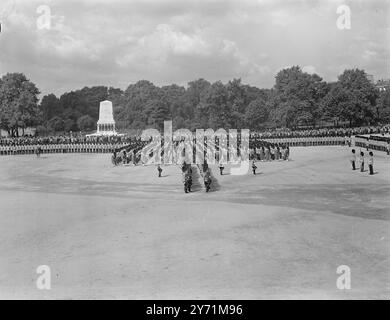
(122, 232)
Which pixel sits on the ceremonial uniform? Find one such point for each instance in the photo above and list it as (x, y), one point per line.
(221, 167)
(267, 154)
(371, 163)
(254, 167)
(353, 159)
(361, 160)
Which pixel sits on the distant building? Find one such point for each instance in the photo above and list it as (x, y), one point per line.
(370, 78)
(383, 85)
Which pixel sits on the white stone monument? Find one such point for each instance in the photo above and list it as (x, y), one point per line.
(106, 122)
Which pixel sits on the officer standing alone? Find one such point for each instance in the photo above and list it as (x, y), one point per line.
(353, 159)
(254, 167)
(371, 162)
(221, 167)
(159, 169)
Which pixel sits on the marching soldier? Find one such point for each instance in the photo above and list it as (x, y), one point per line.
(353, 159)
(262, 153)
(113, 158)
(361, 160)
(124, 156)
(221, 167)
(267, 153)
(38, 151)
(207, 180)
(187, 181)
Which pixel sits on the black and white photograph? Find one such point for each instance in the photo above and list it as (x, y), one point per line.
(194, 150)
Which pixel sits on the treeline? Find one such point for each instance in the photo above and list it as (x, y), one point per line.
(296, 99)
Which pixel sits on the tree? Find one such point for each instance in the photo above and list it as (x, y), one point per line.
(175, 97)
(193, 108)
(305, 90)
(256, 114)
(297, 98)
(215, 106)
(137, 103)
(383, 106)
(85, 123)
(56, 124)
(157, 111)
(18, 103)
(70, 125)
(90, 99)
(352, 98)
(236, 102)
(50, 106)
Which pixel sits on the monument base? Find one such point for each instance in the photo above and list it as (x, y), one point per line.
(104, 134)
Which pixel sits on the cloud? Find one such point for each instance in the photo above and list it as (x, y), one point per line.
(309, 69)
(117, 42)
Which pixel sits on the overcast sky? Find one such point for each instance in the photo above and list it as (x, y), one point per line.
(119, 42)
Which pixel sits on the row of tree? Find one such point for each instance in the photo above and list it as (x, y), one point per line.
(297, 99)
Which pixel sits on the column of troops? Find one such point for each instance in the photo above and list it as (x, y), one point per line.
(309, 141)
(59, 148)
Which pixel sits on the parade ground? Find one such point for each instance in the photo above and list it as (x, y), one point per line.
(122, 232)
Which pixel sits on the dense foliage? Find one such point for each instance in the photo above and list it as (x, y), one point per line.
(297, 99)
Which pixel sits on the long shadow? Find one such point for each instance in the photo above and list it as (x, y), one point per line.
(197, 180)
(215, 186)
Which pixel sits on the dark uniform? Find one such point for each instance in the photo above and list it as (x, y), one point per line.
(221, 167)
(371, 163)
(353, 159)
(207, 180)
(254, 167)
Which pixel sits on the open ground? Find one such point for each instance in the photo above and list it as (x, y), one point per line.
(122, 232)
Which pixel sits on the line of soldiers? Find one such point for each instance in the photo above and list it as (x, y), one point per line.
(67, 139)
(57, 148)
(187, 176)
(128, 154)
(265, 151)
(321, 132)
(361, 161)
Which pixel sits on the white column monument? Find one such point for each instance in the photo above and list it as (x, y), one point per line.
(106, 122)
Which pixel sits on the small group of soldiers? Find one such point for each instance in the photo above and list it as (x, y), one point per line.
(125, 155)
(268, 152)
(254, 167)
(361, 161)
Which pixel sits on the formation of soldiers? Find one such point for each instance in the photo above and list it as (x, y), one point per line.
(361, 159)
(187, 176)
(64, 144)
(321, 132)
(104, 144)
(266, 151)
(131, 153)
(379, 143)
